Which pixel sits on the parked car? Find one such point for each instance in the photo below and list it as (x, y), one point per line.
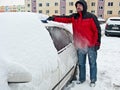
(112, 26)
(102, 23)
(101, 20)
(36, 56)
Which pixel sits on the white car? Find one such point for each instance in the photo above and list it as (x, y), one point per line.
(34, 55)
(112, 26)
(102, 23)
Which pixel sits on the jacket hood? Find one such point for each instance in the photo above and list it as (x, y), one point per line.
(83, 2)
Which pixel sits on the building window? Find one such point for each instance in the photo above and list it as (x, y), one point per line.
(100, 15)
(109, 12)
(47, 4)
(70, 11)
(56, 4)
(93, 4)
(34, 8)
(93, 11)
(110, 3)
(28, 5)
(40, 11)
(47, 11)
(119, 3)
(100, 7)
(71, 4)
(40, 4)
(63, 7)
(22, 7)
(34, 1)
(56, 11)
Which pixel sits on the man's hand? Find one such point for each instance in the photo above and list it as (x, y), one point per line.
(97, 48)
(51, 18)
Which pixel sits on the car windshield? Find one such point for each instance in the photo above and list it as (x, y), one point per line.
(115, 19)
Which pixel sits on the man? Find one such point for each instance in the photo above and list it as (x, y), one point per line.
(87, 38)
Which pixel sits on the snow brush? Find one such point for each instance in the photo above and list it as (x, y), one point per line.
(44, 21)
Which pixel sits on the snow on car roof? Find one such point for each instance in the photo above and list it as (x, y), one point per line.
(114, 18)
(24, 39)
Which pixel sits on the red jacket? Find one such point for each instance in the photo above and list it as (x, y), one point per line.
(86, 29)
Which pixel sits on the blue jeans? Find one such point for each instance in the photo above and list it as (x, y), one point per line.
(92, 56)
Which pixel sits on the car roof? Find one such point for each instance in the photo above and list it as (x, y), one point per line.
(114, 18)
(24, 39)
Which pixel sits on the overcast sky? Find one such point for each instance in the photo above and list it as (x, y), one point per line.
(11, 2)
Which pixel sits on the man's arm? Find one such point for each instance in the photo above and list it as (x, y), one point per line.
(99, 32)
(63, 19)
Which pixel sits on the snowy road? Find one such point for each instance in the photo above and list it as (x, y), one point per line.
(108, 67)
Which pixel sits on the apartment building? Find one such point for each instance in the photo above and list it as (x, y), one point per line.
(111, 8)
(104, 8)
(70, 6)
(50, 7)
(101, 8)
(92, 6)
(13, 8)
(2, 8)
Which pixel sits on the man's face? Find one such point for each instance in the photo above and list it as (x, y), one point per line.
(79, 7)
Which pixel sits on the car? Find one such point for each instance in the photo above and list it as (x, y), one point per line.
(101, 20)
(112, 26)
(102, 23)
(35, 55)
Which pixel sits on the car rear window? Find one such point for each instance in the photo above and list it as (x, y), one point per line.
(115, 19)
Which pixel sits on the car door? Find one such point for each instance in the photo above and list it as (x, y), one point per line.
(63, 42)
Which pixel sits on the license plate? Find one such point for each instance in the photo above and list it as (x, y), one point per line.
(115, 28)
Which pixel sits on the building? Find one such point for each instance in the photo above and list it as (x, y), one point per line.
(13, 8)
(104, 8)
(50, 7)
(101, 8)
(111, 8)
(2, 8)
(92, 6)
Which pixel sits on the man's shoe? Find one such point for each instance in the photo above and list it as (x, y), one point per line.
(92, 84)
(80, 82)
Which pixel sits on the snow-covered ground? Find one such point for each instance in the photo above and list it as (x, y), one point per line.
(108, 67)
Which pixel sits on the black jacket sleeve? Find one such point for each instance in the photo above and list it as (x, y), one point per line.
(99, 30)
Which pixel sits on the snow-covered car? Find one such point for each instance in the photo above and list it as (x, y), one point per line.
(112, 26)
(34, 55)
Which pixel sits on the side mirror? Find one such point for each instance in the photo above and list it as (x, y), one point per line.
(18, 73)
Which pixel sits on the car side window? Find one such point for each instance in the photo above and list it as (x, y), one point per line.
(60, 36)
